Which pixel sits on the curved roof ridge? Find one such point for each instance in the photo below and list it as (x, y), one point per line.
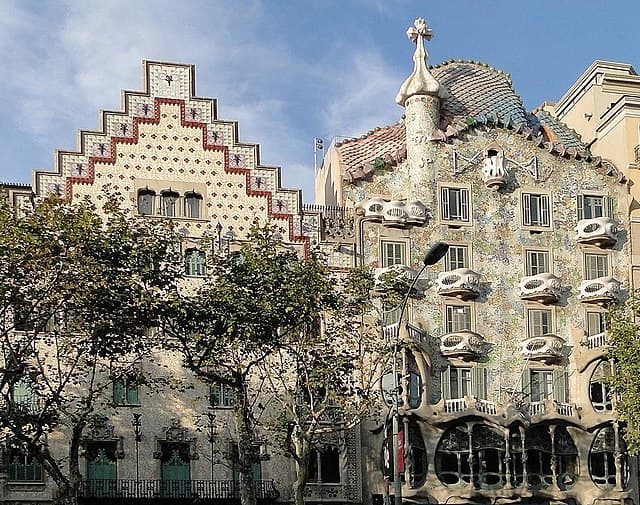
(474, 62)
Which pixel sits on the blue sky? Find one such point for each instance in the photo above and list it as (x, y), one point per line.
(287, 70)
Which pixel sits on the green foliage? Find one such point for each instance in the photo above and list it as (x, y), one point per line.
(79, 287)
(624, 338)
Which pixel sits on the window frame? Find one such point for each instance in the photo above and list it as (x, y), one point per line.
(461, 260)
(530, 268)
(142, 192)
(223, 394)
(549, 324)
(587, 257)
(318, 455)
(403, 248)
(126, 390)
(450, 325)
(606, 205)
(13, 468)
(200, 266)
(590, 322)
(543, 208)
(193, 196)
(169, 199)
(462, 215)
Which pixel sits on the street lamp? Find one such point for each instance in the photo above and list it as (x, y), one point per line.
(211, 437)
(137, 430)
(434, 254)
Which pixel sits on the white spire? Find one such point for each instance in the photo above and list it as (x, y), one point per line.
(420, 82)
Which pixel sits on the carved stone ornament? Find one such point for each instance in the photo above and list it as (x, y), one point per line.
(101, 430)
(176, 433)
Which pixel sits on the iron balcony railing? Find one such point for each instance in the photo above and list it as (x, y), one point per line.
(208, 489)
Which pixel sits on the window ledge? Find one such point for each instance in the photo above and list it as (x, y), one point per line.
(24, 485)
(127, 405)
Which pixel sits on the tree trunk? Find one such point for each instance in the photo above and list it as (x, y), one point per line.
(68, 491)
(246, 450)
(66, 495)
(303, 451)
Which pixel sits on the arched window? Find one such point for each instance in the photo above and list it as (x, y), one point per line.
(599, 390)
(452, 457)
(324, 465)
(192, 205)
(539, 453)
(24, 468)
(195, 263)
(566, 454)
(146, 198)
(168, 200)
(607, 446)
(416, 461)
(489, 470)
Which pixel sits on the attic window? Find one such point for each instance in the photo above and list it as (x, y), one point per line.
(491, 153)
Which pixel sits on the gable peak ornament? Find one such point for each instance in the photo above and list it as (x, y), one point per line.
(420, 82)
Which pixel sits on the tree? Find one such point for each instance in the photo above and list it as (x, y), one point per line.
(624, 338)
(78, 289)
(327, 378)
(252, 303)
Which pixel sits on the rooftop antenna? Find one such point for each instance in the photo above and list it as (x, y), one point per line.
(318, 145)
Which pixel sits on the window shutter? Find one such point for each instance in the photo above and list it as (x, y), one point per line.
(560, 385)
(608, 206)
(479, 383)
(118, 392)
(445, 384)
(545, 210)
(464, 205)
(445, 203)
(526, 209)
(580, 206)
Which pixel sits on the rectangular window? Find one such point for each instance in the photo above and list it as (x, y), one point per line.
(393, 253)
(458, 382)
(125, 390)
(457, 257)
(536, 210)
(220, 396)
(537, 262)
(458, 318)
(596, 323)
(595, 266)
(460, 379)
(539, 321)
(23, 468)
(593, 206)
(541, 385)
(455, 204)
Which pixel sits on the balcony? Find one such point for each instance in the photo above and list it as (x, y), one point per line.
(543, 288)
(552, 407)
(546, 348)
(460, 283)
(394, 212)
(600, 231)
(597, 341)
(601, 291)
(109, 491)
(393, 275)
(463, 344)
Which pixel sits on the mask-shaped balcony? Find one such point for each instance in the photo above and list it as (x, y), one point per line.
(600, 231)
(493, 170)
(543, 288)
(463, 344)
(546, 348)
(394, 212)
(600, 291)
(460, 283)
(393, 275)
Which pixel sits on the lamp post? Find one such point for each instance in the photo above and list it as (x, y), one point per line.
(211, 437)
(434, 254)
(137, 430)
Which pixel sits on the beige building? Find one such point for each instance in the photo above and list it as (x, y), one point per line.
(503, 348)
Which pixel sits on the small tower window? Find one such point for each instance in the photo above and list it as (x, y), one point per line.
(192, 205)
(146, 198)
(168, 200)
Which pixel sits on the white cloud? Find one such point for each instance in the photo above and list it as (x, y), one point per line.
(362, 95)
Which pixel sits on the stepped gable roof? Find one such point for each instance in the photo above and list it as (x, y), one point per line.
(474, 89)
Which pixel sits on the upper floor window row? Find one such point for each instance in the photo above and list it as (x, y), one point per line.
(170, 203)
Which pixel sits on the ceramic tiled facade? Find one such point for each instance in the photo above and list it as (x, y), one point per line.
(503, 354)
